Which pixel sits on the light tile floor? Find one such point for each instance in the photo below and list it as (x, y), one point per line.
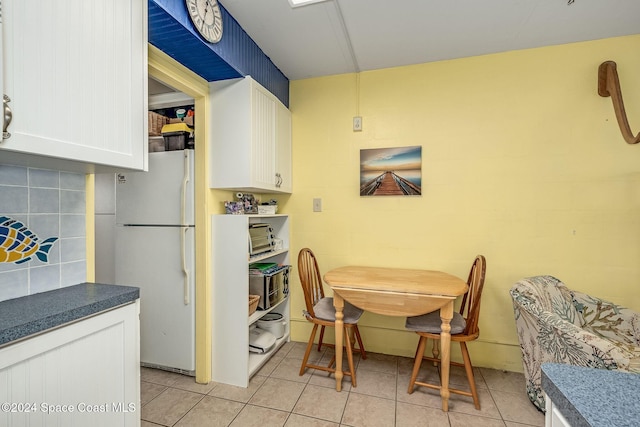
(278, 396)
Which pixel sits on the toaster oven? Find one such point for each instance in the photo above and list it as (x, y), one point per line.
(261, 238)
(272, 287)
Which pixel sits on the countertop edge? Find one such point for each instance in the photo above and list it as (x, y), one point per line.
(30, 315)
(564, 405)
(593, 397)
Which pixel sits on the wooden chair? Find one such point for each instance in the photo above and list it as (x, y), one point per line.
(464, 327)
(320, 312)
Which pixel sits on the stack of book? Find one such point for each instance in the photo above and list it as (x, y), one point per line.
(266, 268)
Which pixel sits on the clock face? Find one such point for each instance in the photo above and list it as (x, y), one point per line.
(206, 18)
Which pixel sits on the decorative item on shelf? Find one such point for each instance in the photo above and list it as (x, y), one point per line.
(249, 201)
(253, 303)
(234, 208)
(268, 208)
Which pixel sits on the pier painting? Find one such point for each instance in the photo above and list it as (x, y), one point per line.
(391, 171)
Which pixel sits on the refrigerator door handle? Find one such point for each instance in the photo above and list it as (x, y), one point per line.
(185, 270)
(185, 184)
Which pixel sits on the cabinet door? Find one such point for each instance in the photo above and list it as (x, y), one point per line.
(251, 138)
(92, 367)
(283, 149)
(263, 159)
(75, 73)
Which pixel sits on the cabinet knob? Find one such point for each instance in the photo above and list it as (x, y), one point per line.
(278, 179)
(8, 115)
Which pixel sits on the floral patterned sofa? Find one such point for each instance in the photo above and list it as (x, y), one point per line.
(559, 325)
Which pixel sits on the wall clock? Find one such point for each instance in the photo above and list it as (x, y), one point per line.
(206, 18)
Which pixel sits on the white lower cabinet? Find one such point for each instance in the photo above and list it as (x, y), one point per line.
(232, 362)
(553, 417)
(84, 374)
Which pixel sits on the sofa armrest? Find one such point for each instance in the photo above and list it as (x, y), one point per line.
(606, 319)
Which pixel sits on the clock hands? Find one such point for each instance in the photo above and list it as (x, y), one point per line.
(206, 10)
(206, 18)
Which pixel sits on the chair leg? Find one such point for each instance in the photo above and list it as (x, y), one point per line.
(321, 337)
(363, 353)
(332, 362)
(436, 352)
(469, 369)
(350, 356)
(417, 363)
(308, 350)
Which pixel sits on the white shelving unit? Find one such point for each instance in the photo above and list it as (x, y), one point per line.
(232, 363)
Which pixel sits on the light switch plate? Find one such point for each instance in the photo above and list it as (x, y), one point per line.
(317, 205)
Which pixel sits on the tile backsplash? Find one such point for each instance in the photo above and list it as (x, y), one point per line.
(50, 204)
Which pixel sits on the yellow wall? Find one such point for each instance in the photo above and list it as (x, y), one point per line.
(522, 161)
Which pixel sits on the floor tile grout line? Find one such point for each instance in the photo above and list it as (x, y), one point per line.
(191, 409)
(481, 377)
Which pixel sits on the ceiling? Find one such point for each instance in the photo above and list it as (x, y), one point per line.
(345, 36)
(157, 88)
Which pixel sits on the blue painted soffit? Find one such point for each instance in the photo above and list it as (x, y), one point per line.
(236, 55)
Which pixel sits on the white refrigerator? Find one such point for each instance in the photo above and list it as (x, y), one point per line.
(154, 250)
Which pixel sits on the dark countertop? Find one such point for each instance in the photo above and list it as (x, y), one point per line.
(593, 397)
(33, 314)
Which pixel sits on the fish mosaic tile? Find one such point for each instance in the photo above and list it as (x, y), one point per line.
(18, 244)
(42, 230)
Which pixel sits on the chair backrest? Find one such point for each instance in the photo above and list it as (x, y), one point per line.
(540, 294)
(310, 279)
(470, 307)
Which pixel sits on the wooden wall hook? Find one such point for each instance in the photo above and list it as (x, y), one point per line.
(609, 85)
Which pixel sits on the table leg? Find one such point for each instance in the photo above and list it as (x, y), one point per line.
(338, 303)
(446, 314)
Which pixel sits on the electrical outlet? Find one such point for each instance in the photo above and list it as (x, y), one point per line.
(317, 205)
(357, 124)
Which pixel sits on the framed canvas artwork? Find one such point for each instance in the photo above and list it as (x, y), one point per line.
(391, 171)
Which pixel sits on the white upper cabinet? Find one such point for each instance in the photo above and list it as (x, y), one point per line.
(75, 73)
(251, 138)
(283, 152)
